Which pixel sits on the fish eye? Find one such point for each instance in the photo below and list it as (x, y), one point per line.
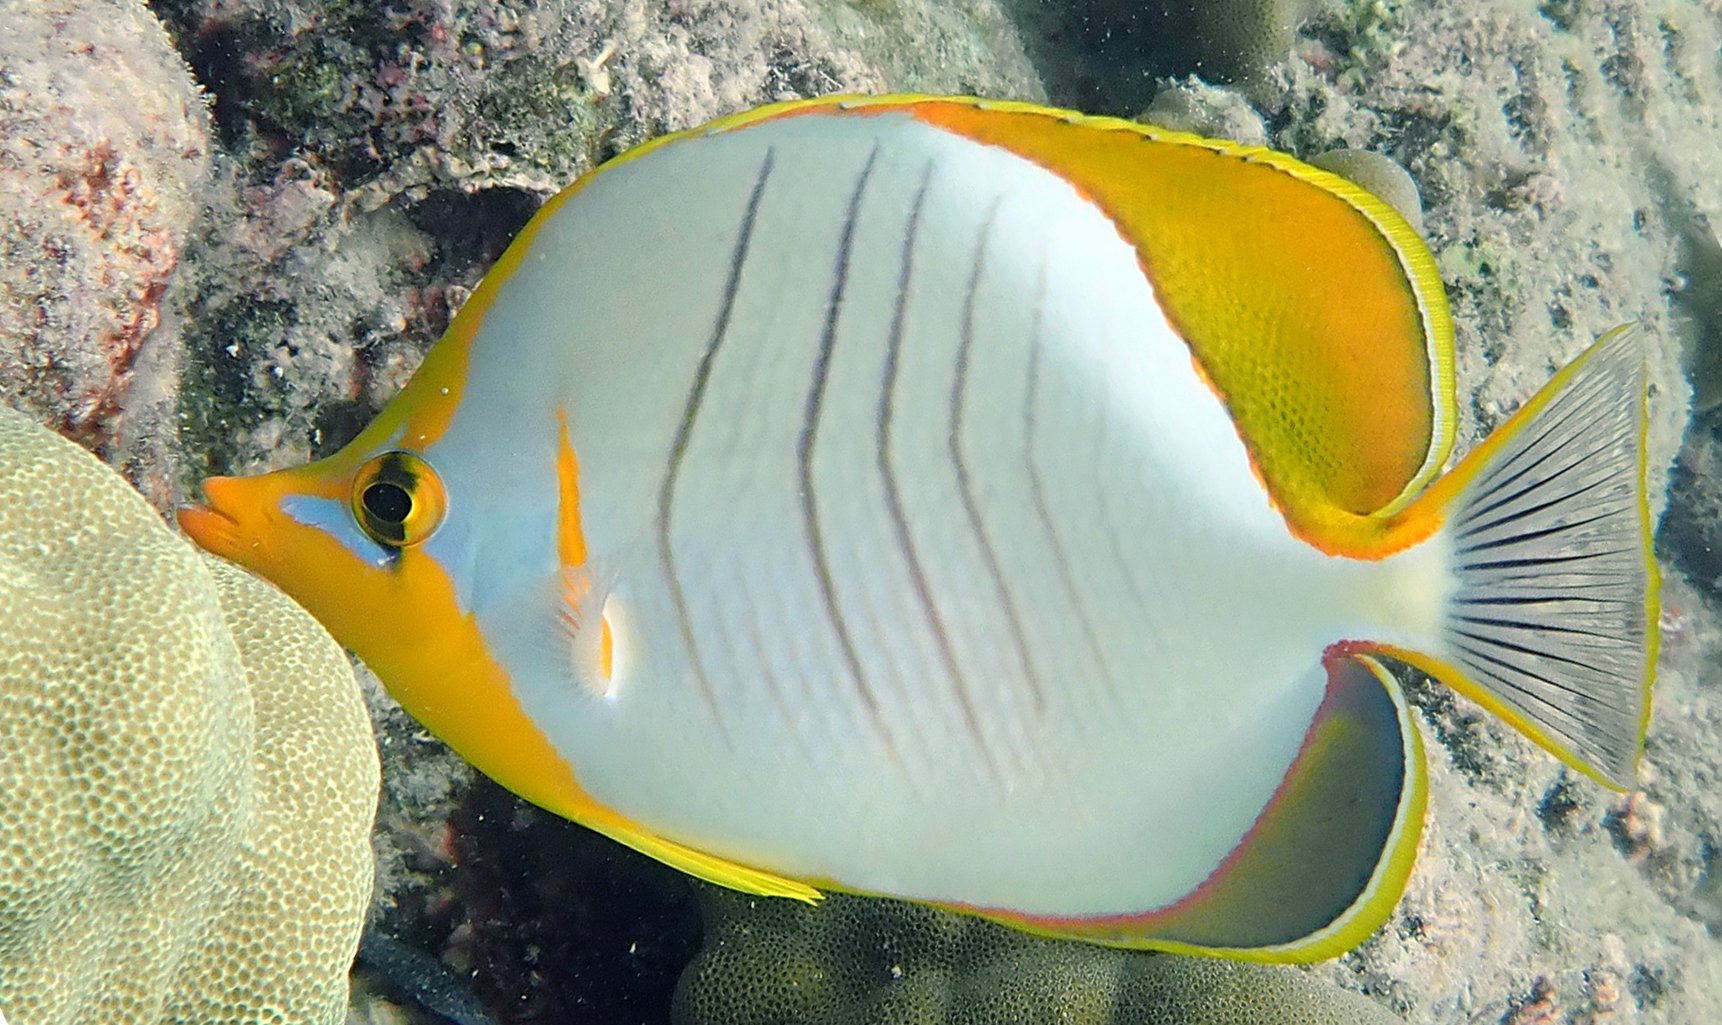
(398, 499)
(387, 502)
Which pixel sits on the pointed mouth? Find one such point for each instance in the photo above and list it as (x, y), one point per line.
(214, 529)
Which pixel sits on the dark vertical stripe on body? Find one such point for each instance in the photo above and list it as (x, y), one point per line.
(1037, 488)
(685, 429)
(965, 486)
(1109, 529)
(888, 475)
(811, 415)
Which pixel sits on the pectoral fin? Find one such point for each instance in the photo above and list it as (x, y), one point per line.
(587, 638)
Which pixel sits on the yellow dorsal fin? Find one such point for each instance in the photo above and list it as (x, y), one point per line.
(1309, 305)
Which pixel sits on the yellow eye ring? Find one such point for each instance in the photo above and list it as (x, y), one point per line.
(398, 499)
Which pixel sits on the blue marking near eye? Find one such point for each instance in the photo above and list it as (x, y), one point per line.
(336, 520)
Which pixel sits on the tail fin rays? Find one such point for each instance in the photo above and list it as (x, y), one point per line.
(1553, 623)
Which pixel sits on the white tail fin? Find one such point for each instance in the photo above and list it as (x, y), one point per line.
(1554, 621)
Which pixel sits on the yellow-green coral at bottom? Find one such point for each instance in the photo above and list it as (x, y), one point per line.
(187, 775)
(860, 961)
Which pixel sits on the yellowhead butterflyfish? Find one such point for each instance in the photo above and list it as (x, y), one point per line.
(985, 505)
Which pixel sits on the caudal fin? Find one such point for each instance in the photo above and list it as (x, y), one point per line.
(1553, 624)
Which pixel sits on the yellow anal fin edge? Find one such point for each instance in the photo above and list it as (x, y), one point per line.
(1325, 862)
(707, 867)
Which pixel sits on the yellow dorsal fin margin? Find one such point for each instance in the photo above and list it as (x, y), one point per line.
(1310, 305)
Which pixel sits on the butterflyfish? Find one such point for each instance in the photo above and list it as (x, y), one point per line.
(985, 505)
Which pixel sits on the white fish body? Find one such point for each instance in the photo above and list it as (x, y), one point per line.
(849, 497)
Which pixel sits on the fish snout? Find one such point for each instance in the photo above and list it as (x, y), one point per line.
(226, 522)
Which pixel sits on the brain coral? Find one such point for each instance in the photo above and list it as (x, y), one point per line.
(187, 775)
(864, 961)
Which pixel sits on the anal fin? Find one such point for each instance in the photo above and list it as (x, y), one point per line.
(711, 868)
(1327, 859)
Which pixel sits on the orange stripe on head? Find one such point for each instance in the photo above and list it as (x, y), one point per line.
(406, 621)
(571, 538)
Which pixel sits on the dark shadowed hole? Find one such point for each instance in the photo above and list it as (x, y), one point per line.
(471, 229)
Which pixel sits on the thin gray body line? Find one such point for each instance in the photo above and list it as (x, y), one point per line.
(1108, 522)
(965, 485)
(685, 431)
(894, 496)
(811, 415)
(773, 684)
(1037, 487)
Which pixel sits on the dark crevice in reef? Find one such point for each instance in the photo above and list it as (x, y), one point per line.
(561, 924)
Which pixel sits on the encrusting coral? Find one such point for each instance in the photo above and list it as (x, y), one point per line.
(187, 775)
(1236, 40)
(866, 961)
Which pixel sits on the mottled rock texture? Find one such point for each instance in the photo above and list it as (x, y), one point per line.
(384, 154)
(104, 153)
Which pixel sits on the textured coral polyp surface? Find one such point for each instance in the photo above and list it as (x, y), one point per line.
(188, 779)
(859, 961)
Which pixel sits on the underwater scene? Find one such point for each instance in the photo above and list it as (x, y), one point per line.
(860, 512)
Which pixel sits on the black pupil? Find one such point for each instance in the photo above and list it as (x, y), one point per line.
(388, 502)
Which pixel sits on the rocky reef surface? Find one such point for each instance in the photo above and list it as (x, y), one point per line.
(194, 290)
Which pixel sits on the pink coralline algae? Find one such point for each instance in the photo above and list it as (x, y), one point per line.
(104, 140)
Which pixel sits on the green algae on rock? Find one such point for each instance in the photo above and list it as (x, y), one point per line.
(189, 778)
(868, 961)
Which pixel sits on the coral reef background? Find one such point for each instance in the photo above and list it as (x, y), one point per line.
(194, 289)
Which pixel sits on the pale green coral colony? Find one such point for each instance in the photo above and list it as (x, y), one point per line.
(188, 780)
(858, 961)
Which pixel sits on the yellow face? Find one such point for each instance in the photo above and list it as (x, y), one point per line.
(345, 536)
(342, 537)
(362, 540)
